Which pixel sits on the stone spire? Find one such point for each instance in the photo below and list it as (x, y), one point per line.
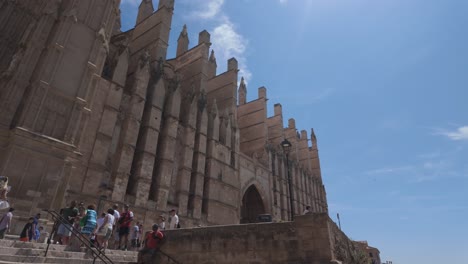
(182, 42)
(212, 65)
(313, 138)
(212, 57)
(242, 92)
(144, 10)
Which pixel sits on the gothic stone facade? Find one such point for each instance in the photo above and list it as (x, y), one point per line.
(91, 113)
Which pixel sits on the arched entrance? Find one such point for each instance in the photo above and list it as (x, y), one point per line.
(252, 205)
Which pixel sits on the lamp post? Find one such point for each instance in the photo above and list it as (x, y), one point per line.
(286, 145)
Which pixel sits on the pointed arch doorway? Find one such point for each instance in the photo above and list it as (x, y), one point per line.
(252, 205)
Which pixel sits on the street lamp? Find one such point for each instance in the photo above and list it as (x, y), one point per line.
(286, 145)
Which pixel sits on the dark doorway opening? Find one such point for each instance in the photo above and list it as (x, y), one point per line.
(252, 205)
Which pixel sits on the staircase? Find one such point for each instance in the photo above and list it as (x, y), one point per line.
(14, 251)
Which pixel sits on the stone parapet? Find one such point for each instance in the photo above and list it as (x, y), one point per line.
(309, 239)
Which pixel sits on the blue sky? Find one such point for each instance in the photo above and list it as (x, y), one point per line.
(384, 83)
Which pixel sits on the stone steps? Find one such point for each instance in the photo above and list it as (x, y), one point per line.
(12, 251)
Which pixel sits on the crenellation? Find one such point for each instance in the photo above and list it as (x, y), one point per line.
(262, 92)
(232, 65)
(204, 38)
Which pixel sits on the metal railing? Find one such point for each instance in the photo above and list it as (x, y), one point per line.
(58, 219)
(169, 257)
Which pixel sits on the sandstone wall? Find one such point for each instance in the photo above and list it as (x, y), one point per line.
(306, 240)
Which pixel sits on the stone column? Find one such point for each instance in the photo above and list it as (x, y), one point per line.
(147, 144)
(162, 177)
(199, 158)
(185, 169)
(130, 128)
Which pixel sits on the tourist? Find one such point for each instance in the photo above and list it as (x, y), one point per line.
(65, 229)
(307, 210)
(5, 223)
(135, 236)
(162, 222)
(174, 220)
(153, 241)
(125, 221)
(100, 221)
(140, 229)
(104, 231)
(4, 189)
(34, 231)
(115, 228)
(24, 235)
(89, 220)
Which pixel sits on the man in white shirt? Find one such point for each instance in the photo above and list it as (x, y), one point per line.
(5, 223)
(174, 222)
(115, 228)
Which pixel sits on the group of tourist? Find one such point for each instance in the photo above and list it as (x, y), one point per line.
(112, 229)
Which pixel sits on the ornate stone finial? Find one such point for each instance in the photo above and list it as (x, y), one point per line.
(183, 33)
(312, 136)
(212, 57)
(242, 92)
(101, 34)
(182, 42)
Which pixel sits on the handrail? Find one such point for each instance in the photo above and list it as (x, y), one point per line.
(169, 257)
(97, 253)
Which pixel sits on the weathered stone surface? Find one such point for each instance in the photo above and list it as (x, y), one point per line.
(110, 115)
(310, 239)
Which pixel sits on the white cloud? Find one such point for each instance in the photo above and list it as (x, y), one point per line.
(283, 1)
(226, 41)
(211, 9)
(460, 134)
(390, 170)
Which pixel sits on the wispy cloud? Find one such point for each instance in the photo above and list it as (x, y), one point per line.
(211, 9)
(228, 43)
(430, 155)
(460, 133)
(283, 1)
(387, 170)
(226, 40)
(420, 172)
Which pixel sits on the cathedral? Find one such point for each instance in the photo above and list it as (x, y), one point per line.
(91, 113)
